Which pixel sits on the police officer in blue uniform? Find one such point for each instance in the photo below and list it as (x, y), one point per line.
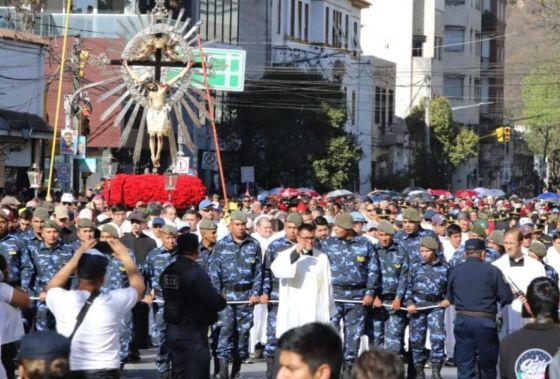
(191, 305)
(13, 249)
(271, 284)
(411, 234)
(354, 276)
(427, 287)
(156, 261)
(33, 236)
(477, 231)
(40, 265)
(208, 235)
(236, 271)
(389, 320)
(476, 288)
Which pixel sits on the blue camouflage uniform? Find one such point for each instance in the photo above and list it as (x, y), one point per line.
(427, 286)
(116, 278)
(460, 256)
(410, 243)
(156, 261)
(551, 272)
(270, 288)
(204, 255)
(236, 271)
(354, 274)
(39, 266)
(30, 239)
(13, 249)
(388, 325)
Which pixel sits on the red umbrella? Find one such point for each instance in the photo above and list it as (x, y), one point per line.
(439, 192)
(289, 192)
(308, 192)
(465, 194)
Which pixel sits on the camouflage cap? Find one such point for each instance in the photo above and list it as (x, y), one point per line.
(41, 213)
(538, 248)
(385, 227)
(412, 214)
(86, 223)
(51, 224)
(206, 224)
(479, 230)
(429, 242)
(111, 230)
(294, 218)
(344, 221)
(169, 229)
(239, 216)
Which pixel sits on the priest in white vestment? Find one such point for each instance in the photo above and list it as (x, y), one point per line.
(519, 270)
(305, 293)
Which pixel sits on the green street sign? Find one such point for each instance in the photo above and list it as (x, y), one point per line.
(226, 71)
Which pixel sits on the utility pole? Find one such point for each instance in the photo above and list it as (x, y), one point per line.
(75, 67)
(544, 157)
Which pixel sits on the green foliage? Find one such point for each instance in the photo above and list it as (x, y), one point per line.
(450, 145)
(283, 123)
(541, 98)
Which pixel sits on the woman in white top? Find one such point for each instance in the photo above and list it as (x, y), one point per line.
(11, 323)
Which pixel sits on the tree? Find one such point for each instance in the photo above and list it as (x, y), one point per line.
(451, 145)
(285, 122)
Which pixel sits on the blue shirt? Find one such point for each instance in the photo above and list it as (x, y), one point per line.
(477, 286)
(410, 243)
(459, 256)
(393, 263)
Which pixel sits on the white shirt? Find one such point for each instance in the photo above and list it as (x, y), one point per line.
(6, 293)
(553, 258)
(151, 234)
(95, 345)
(305, 293)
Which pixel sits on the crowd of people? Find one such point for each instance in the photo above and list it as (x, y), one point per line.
(318, 287)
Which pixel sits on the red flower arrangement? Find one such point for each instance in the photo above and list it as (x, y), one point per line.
(129, 189)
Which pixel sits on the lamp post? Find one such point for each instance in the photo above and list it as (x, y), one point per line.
(109, 169)
(170, 179)
(35, 175)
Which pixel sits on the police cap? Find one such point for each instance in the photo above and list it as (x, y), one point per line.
(411, 214)
(474, 244)
(239, 216)
(187, 243)
(429, 242)
(294, 218)
(385, 227)
(206, 224)
(45, 345)
(538, 248)
(51, 224)
(344, 221)
(86, 223)
(169, 229)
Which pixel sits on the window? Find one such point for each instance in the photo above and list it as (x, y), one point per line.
(377, 105)
(454, 2)
(477, 4)
(346, 32)
(299, 22)
(293, 18)
(417, 44)
(353, 113)
(356, 40)
(383, 110)
(306, 21)
(337, 28)
(478, 43)
(471, 41)
(327, 19)
(219, 20)
(279, 27)
(454, 38)
(477, 90)
(438, 48)
(453, 86)
(391, 108)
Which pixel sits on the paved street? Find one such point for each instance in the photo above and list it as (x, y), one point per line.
(146, 369)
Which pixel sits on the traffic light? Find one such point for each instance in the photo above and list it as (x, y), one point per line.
(500, 134)
(83, 60)
(507, 133)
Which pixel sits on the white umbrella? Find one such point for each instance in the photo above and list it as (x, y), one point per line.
(338, 193)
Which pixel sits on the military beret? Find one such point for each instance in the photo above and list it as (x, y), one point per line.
(294, 218)
(239, 216)
(429, 242)
(479, 230)
(169, 229)
(474, 244)
(111, 230)
(41, 213)
(51, 224)
(344, 221)
(45, 345)
(137, 216)
(386, 227)
(497, 236)
(412, 214)
(206, 224)
(538, 248)
(86, 223)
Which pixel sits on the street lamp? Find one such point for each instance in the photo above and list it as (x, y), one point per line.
(35, 175)
(170, 179)
(108, 170)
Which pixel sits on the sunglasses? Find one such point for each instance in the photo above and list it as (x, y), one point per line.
(66, 203)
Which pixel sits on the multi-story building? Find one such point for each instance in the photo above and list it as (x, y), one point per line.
(440, 49)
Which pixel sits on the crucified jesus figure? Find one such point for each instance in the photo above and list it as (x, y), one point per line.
(157, 116)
